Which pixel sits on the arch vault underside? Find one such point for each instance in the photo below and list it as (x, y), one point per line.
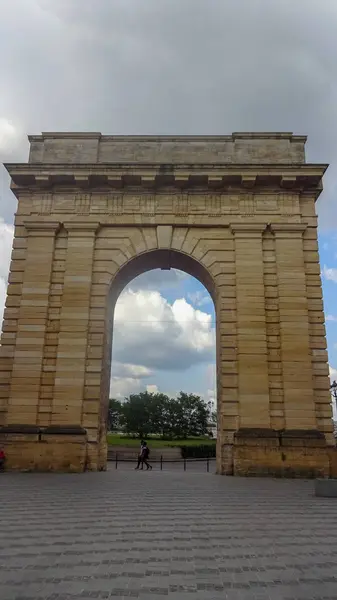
(237, 212)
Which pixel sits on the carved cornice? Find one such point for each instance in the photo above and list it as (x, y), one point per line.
(299, 177)
(46, 228)
(56, 135)
(236, 135)
(82, 227)
(288, 181)
(287, 230)
(248, 181)
(288, 227)
(42, 228)
(248, 228)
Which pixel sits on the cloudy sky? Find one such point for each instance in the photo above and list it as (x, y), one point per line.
(171, 67)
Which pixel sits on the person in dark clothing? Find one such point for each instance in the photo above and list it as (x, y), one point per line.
(2, 459)
(140, 459)
(145, 456)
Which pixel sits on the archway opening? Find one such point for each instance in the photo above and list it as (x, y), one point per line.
(161, 350)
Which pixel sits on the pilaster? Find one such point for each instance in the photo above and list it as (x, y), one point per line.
(299, 405)
(276, 403)
(317, 333)
(252, 353)
(74, 324)
(24, 396)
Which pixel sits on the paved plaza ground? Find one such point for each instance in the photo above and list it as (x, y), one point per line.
(170, 534)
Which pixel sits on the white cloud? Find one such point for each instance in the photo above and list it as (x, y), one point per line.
(330, 318)
(150, 331)
(333, 377)
(199, 298)
(127, 379)
(8, 135)
(126, 370)
(152, 388)
(6, 239)
(211, 375)
(159, 280)
(329, 273)
(121, 387)
(332, 373)
(210, 397)
(3, 287)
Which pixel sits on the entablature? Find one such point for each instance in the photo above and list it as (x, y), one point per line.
(298, 177)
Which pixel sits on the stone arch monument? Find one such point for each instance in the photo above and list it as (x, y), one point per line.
(236, 211)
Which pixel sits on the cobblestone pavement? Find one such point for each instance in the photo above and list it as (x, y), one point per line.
(157, 535)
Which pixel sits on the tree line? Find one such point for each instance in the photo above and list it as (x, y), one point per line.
(148, 413)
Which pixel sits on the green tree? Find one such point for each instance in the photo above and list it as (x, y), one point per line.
(181, 417)
(114, 414)
(159, 414)
(192, 415)
(136, 414)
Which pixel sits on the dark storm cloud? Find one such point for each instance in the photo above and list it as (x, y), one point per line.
(174, 66)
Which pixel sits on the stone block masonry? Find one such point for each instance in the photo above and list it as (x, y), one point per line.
(235, 211)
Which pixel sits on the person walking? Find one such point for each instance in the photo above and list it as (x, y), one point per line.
(140, 459)
(145, 456)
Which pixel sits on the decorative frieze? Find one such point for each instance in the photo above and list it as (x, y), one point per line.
(247, 205)
(82, 204)
(114, 204)
(148, 204)
(266, 203)
(46, 204)
(214, 205)
(65, 202)
(181, 204)
(151, 203)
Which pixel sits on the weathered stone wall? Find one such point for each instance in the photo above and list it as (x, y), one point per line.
(97, 148)
(250, 235)
(30, 448)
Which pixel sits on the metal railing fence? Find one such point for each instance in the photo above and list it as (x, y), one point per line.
(116, 459)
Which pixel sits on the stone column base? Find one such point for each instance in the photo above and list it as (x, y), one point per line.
(97, 456)
(57, 448)
(289, 453)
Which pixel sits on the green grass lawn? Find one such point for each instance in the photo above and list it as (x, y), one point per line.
(120, 440)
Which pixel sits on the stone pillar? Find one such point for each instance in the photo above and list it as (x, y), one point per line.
(299, 406)
(318, 344)
(23, 403)
(252, 356)
(74, 325)
(223, 273)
